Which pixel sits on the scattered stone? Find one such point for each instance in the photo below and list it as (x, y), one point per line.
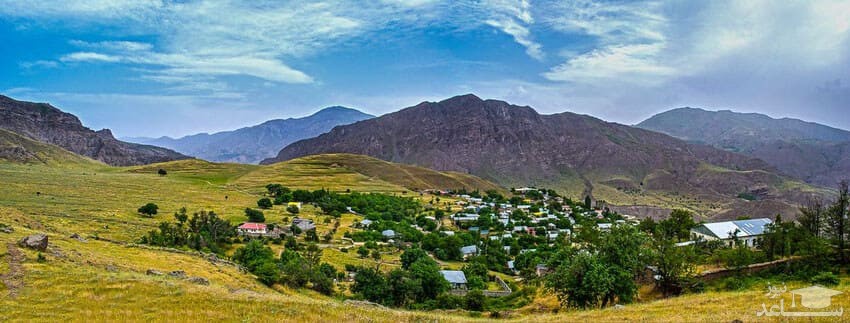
(78, 237)
(35, 241)
(111, 268)
(177, 274)
(199, 280)
(619, 307)
(154, 272)
(6, 229)
(737, 321)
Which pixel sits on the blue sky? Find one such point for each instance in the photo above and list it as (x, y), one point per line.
(151, 68)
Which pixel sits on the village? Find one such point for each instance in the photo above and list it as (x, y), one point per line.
(513, 238)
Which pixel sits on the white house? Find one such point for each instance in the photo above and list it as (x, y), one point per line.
(745, 231)
(250, 228)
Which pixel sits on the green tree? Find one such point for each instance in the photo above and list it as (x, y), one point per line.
(427, 271)
(162, 172)
(587, 202)
(149, 209)
(363, 252)
(475, 300)
(836, 220)
(412, 255)
(264, 203)
(255, 215)
(371, 285)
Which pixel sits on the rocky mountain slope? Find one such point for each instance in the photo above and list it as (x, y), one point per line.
(43, 122)
(809, 151)
(253, 144)
(580, 155)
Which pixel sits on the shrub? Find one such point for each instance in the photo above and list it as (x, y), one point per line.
(826, 278)
(162, 172)
(149, 209)
(292, 209)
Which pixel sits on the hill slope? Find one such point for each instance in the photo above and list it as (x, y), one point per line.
(19, 149)
(328, 168)
(253, 144)
(43, 122)
(580, 155)
(809, 151)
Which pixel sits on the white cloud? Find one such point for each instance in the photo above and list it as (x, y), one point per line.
(513, 18)
(89, 57)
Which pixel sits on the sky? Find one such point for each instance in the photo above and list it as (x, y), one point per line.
(153, 67)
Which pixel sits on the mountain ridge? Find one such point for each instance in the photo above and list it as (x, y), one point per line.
(46, 123)
(582, 155)
(812, 152)
(251, 144)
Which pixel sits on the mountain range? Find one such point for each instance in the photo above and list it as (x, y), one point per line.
(45, 123)
(252, 144)
(577, 154)
(815, 153)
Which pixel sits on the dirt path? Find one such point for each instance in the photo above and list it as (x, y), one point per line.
(14, 279)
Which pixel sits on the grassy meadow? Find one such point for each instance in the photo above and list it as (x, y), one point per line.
(104, 278)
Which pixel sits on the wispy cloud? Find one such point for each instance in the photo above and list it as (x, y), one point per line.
(513, 18)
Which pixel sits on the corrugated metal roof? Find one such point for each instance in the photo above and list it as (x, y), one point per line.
(724, 230)
(454, 276)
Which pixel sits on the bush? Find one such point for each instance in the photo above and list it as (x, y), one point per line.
(826, 278)
(264, 203)
(162, 172)
(292, 209)
(149, 209)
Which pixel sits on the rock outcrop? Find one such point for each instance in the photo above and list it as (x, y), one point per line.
(45, 123)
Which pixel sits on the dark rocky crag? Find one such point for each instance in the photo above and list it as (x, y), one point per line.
(45, 123)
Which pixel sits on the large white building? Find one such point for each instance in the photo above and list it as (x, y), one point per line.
(745, 231)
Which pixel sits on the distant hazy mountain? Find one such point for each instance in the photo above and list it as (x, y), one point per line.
(42, 122)
(809, 151)
(253, 144)
(577, 154)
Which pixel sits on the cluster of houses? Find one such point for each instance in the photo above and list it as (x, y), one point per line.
(746, 232)
(253, 229)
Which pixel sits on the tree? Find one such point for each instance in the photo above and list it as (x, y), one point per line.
(292, 209)
(675, 265)
(812, 217)
(412, 255)
(162, 172)
(836, 218)
(427, 271)
(475, 300)
(587, 202)
(264, 203)
(363, 252)
(255, 215)
(371, 285)
(678, 225)
(149, 209)
(259, 260)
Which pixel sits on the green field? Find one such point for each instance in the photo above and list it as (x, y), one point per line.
(104, 278)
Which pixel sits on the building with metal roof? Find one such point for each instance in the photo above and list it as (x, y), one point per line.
(745, 231)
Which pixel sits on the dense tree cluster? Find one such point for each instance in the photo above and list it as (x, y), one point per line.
(296, 269)
(203, 231)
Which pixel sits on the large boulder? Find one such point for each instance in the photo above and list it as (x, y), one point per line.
(199, 280)
(154, 272)
(177, 274)
(35, 241)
